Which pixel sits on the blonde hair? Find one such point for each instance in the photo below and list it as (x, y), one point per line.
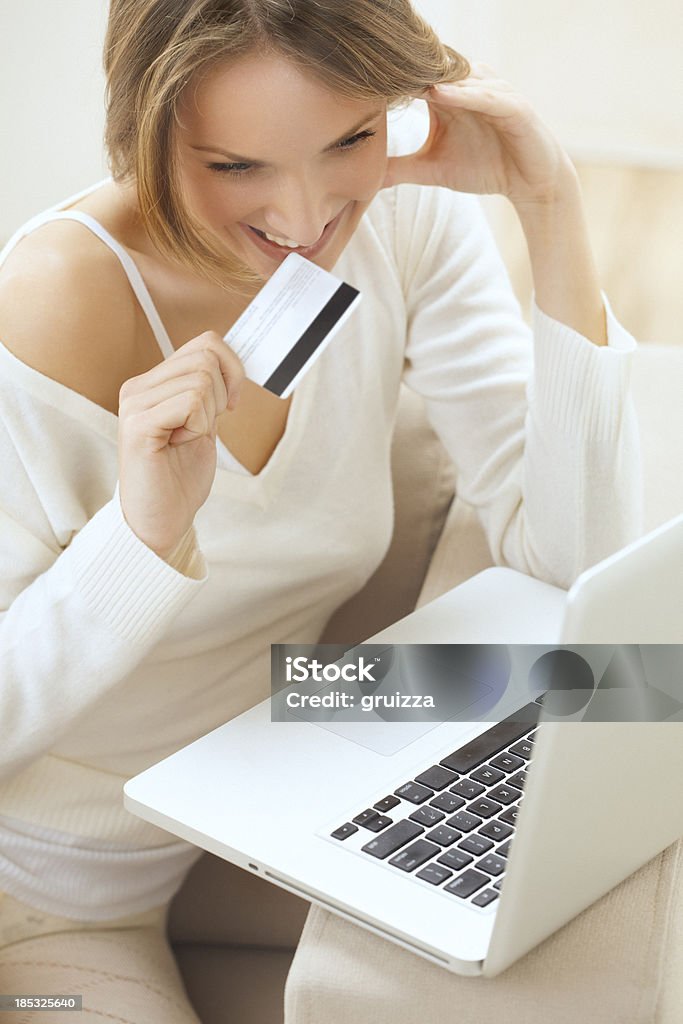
(363, 49)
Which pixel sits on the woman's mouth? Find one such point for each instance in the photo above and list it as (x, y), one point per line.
(281, 248)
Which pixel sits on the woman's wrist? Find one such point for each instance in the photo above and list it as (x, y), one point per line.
(182, 556)
(565, 277)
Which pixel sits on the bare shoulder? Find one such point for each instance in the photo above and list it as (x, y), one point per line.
(67, 309)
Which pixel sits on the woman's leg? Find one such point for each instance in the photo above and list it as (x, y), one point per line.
(607, 966)
(126, 974)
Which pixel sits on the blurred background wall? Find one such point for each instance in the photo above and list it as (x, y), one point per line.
(51, 103)
(607, 78)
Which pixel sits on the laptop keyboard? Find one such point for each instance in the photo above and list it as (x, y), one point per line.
(452, 824)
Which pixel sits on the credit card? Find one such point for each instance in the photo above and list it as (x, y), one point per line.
(290, 323)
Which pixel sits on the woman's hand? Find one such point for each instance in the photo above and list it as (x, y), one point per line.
(167, 438)
(485, 137)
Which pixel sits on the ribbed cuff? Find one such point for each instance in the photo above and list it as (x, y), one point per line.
(124, 582)
(579, 386)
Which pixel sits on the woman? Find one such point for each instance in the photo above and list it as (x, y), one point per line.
(142, 583)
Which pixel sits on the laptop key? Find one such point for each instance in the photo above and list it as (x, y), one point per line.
(414, 855)
(435, 874)
(504, 849)
(468, 788)
(455, 859)
(436, 777)
(498, 885)
(443, 835)
(378, 823)
(492, 865)
(523, 749)
(476, 844)
(517, 781)
(490, 742)
(505, 794)
(485, 808)
(427, 815)
(507, 762)
(464, 821)
(483, 898)
(387, 803)
(413, 792)
(365, 816)
(392, 838)
(344, 831)
(488, 775)
(447, 802)
(467, 883)
(510, 814)
(496, 830)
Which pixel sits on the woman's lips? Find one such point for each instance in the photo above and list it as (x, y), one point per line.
(276, 251)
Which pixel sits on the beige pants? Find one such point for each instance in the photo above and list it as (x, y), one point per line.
(619, 962)
(124, 969)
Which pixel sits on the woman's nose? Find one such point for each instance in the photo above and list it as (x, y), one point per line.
(297, 214)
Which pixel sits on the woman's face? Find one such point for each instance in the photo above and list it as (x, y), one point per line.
(265, 148)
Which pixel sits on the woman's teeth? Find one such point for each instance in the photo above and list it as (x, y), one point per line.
(282, 241)
(279, 241)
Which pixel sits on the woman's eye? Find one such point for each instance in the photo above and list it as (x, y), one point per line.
(354, 140)
(237, 169)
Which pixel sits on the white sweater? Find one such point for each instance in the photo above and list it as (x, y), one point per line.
(111, 659)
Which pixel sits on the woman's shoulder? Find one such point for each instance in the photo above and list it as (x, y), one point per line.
(67, 309)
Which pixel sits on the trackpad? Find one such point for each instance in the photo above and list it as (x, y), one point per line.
(382, 737)
(386, 714)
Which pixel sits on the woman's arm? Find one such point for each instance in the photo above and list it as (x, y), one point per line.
(539, 424)
(545, 448)
(565, 277)
(72, 625)
(77, 613)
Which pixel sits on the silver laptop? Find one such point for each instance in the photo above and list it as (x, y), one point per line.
(464, 842)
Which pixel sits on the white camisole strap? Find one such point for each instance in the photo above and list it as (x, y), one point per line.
(225, 456)
(127, 262)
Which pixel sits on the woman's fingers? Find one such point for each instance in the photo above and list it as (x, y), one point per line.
(199, 380)
(484, 97)
(183, 417)
(180, 365)
(200, 383)
(229, 364)
(207, 353)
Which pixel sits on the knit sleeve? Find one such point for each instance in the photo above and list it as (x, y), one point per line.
(73, 622)
(539, 423)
